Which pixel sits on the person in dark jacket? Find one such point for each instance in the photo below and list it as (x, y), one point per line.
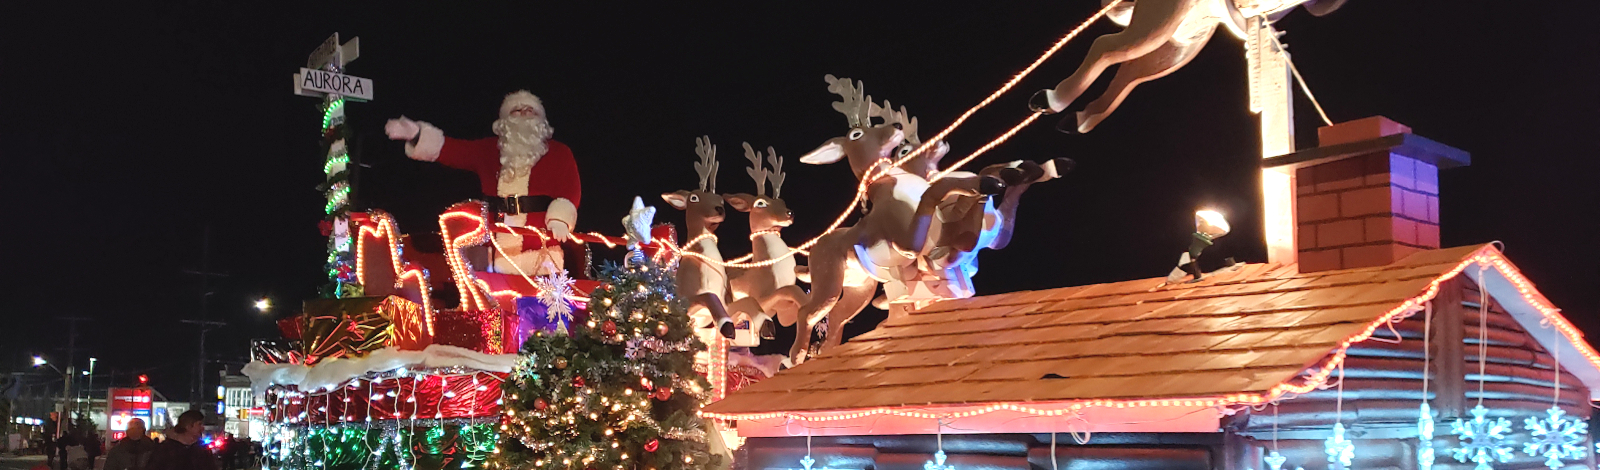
(182, 449)
(133, 451)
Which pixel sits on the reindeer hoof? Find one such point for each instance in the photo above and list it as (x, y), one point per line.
(1068, 124)
(989, 185)
(1064, 165)
(1040, 102)
(726, 328)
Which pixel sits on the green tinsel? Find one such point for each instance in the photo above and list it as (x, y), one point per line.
(386, 446)
(651, 344)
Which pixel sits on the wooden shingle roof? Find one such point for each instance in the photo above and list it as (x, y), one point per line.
(1255, 330)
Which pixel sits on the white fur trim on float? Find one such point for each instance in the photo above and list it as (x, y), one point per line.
(430, 140)
(519, 98)
(563, 210)
(335, 372)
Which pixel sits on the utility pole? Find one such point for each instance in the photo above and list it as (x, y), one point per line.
(198, 386)
(67, 402)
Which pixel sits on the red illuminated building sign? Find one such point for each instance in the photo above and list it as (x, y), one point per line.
(126, 404)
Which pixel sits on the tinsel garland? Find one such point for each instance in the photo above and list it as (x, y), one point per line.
(424, 444)
(620, 393)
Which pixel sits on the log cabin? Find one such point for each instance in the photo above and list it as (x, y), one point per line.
(1371, 321)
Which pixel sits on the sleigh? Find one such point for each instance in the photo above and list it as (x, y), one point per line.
(485, 318)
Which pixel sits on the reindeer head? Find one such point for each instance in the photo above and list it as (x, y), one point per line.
(702, 208)
(766, 212)
(927, 163)
(866, 145)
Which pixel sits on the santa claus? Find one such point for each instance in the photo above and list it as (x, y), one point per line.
(528, 177)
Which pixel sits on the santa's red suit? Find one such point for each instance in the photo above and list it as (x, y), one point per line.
(546, 196)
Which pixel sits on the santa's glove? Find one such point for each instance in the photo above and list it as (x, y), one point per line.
(402, 129)
(559, 230)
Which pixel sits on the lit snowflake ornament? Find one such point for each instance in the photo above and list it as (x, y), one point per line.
(1425, 438)
(1556, 437)
(938, 462)
(1340, 450)
(553, 292)
(808, 461)
(1483, 440)
(1276, 460)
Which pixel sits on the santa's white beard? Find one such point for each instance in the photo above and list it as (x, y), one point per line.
(522, 142)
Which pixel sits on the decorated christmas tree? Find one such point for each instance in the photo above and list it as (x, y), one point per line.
(620, 391)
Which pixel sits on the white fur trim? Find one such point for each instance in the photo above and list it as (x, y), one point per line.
(518, 98)
(429, 143)
(335, 372)
(563, 210)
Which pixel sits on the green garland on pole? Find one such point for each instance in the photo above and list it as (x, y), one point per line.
(620, 393)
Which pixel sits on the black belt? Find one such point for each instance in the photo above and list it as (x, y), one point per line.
(513, 205)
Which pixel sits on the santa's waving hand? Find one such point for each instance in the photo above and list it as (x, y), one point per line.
(529, 178)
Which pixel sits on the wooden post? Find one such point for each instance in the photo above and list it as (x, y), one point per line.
(1272, 97)
(1449, 362)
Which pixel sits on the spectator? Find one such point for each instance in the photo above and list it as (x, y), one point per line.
(182, 449)
(133, 451)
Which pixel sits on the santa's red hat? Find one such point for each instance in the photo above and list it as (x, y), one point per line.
(520, 98)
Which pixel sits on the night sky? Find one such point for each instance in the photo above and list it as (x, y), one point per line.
(126, 130)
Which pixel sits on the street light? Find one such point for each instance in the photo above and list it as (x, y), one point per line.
(39, 361)
(263, 305)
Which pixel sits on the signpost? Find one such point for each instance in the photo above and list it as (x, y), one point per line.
(323, 77)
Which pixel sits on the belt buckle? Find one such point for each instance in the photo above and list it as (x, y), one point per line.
(509, 205)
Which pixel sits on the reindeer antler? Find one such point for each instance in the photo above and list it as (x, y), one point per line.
(907, 123)
(707, 166)
(776, 176)
(856, 105)
(756, 171)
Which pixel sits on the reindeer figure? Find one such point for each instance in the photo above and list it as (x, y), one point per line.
(966, 224)
(770, 291)
(703, 282)
(847, 265)
(1161, 36)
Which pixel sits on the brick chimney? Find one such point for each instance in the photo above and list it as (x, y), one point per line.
(1367, 195)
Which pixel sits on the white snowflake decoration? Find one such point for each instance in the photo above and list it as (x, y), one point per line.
(1556, 437)
(808, 461)
(553, 292)
(1276, 460)
(1482, 440)
(1340, 450)
(1425, 438)
(938, 462)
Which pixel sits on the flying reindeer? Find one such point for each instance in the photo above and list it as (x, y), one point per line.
(1161, 36)
(703, 282)
(966, 223)
(770, 291)
(847, 265)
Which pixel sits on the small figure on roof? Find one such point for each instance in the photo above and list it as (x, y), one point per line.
(1209, 225)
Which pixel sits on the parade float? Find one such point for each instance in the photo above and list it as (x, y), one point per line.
(1360, 342)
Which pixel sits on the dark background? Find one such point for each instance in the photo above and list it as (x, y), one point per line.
(127, 129)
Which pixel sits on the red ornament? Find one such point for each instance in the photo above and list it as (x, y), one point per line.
(540, 404)
(326, 227)
(609, 327)
(577, 382)
(663, 393)
(652, 445)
